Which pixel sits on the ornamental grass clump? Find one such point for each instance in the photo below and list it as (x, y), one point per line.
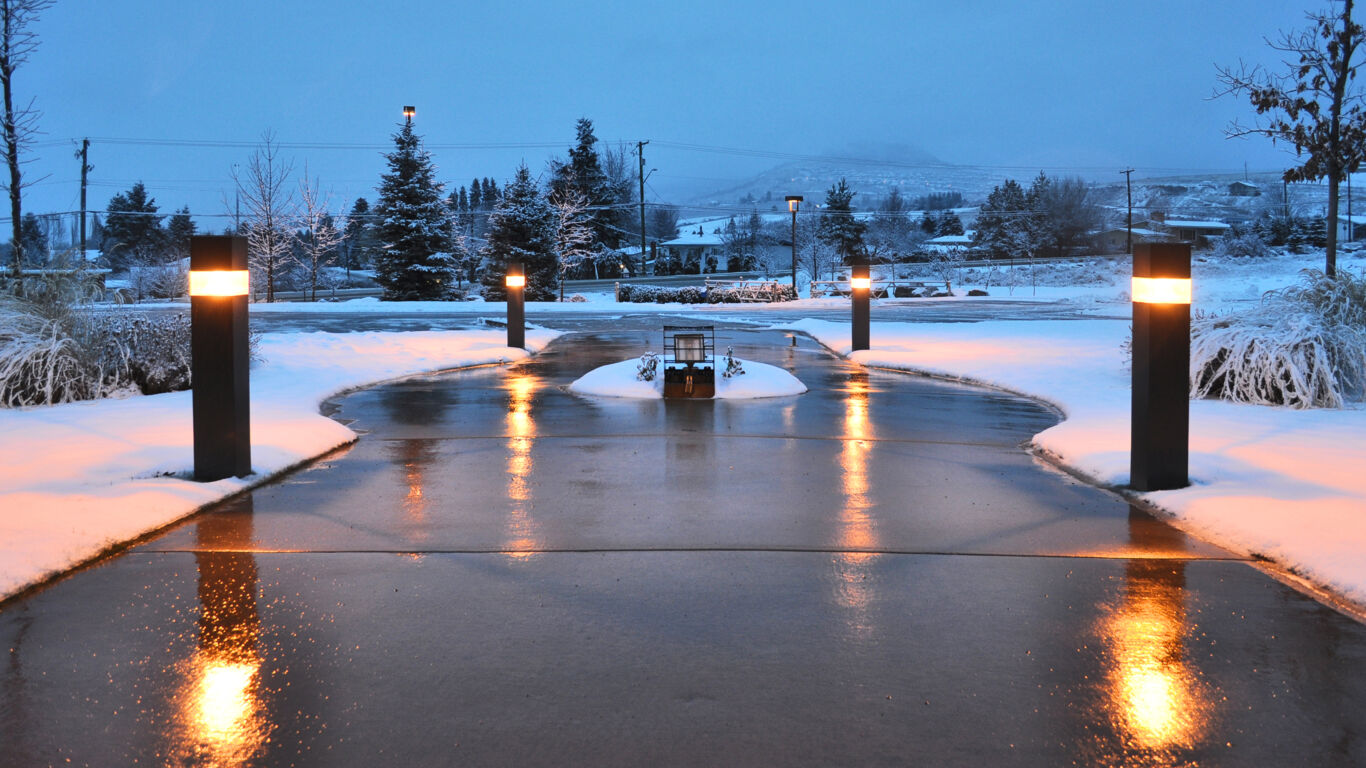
(1303, 347)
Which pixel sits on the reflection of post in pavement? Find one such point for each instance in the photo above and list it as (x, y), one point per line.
(858, 538)
(1155, 698)
(225, 718)
(521, 435)
(415, 455)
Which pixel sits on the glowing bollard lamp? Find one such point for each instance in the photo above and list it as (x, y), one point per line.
(1160, 427)
(219, 357)
(860, 288)
(516, 290)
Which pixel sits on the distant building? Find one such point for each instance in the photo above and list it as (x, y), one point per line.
(947, 244)
(1244, 189)
(1116, 240)
(1351, 229)
(697, 249)
(1187, 230)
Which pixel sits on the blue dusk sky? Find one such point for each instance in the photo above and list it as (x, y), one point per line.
(173, 93)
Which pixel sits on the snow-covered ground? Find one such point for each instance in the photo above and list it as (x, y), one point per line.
(620, 380)
(1281, 483)
(1286, 484)
(79, 478)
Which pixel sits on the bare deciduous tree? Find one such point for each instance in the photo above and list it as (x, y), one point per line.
(17, 41)
(573, 232)
(1312, 106)
(319, 236)
(269, 207)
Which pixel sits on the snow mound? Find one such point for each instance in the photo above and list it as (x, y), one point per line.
(619, 380)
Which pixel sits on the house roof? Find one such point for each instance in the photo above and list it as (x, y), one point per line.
(950, 240)
(1196, 224)
(692, 238)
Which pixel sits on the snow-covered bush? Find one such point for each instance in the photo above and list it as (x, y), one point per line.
(1242, 245)
(733, 366)
(1304, 347)
(53, 349)
(648, 368)
(40, 363)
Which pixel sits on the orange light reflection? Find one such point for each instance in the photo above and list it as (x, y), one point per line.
(857, 528)
(1154, 693)
(521, 434)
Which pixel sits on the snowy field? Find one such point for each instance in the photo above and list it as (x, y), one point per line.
(79, 478)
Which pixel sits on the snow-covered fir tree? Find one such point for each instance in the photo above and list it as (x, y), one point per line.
(838, 228)
(413, 225)
(1005, 224)
(521, 228)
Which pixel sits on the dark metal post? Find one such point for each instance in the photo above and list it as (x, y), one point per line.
(219, 357)
(1160, 426)
(860, 288)
(794, 201)
(516, 292)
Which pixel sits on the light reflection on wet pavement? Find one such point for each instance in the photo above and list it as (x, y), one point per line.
(501, 572)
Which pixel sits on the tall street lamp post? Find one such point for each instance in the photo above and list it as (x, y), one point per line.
(794, 202)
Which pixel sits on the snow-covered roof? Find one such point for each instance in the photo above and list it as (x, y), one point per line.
(950, 240)
(1196, 224)
(1139, 231)
(692, 238)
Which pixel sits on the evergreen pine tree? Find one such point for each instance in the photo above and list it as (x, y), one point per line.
(838, 228)
(928, 224)
(358, 237)
(413, 225)
(521, 228)
(179, 230)
(583, 174)
(476, 196)
(948, 224)
(1002, 225)
(490, 194)
(132, 232)
(35, 248)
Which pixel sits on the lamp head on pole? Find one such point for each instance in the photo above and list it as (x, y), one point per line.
(794, 202)
(409, 112)
(1162, 274)
(515, 278)
(859, 280)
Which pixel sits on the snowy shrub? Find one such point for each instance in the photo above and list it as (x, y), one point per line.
(1243, 245)
(648, 368)
(39, 361)
(1304, 347)
(53, 349)
(166, 281)
(733, 366)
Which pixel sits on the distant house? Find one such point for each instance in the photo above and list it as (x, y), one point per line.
(696, 250)
(1244, 189)
(947, 244)
(1116, 240)
(1351, 229)
(1188, 230)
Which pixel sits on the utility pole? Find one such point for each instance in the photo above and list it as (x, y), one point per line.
(640, 150)
(86, 168)
(1129, 187)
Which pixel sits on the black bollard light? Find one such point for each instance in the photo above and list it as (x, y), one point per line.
(219, 357)
(516, 291)
(1160, 427)
(860, 288)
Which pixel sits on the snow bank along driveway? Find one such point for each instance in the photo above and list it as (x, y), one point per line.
(1284, 484)
(79, 478)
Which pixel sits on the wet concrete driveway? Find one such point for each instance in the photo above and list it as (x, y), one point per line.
(502, 573)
